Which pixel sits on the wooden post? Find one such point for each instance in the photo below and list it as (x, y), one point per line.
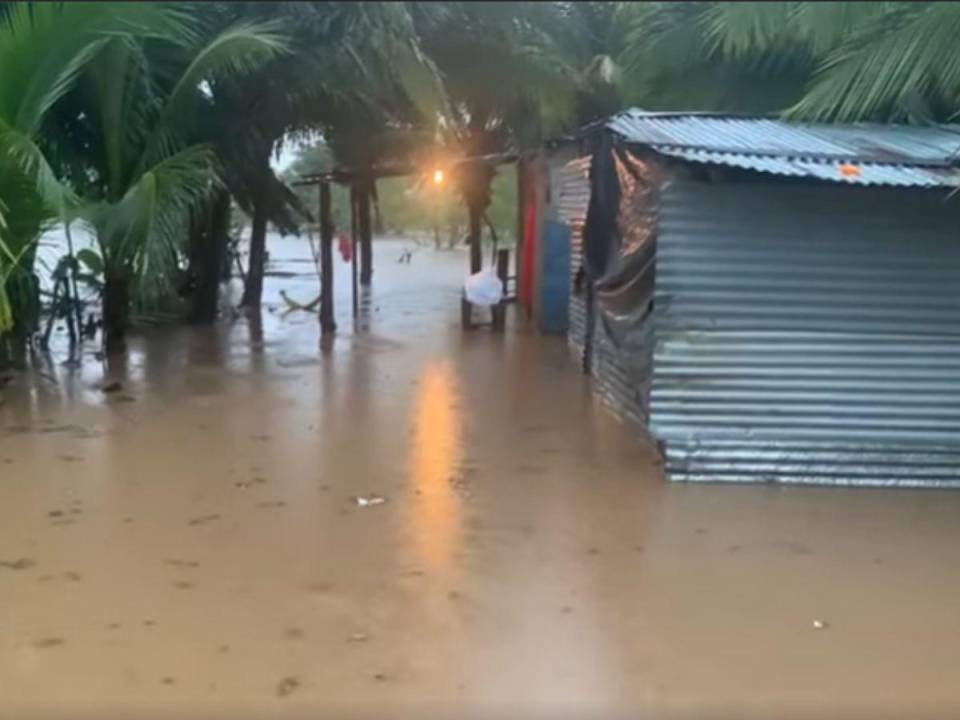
(355, 195)
(520, 261)
(476, 239)
(364, 196)
(500, 309)
(327, 323)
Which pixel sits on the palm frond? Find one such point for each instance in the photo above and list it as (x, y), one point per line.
(236, 51)
(900, 54)
(741, 28)
(139, 235)
(23, 152)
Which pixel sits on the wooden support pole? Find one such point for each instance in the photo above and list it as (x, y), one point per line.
(355, 200)
(500, 309)
(475, 217)
(520, 261)
(364, 196)
(327, 323)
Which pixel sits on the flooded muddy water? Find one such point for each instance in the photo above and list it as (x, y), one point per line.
(417, 521)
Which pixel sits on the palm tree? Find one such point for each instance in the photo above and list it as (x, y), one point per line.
(839, 61)
(507, 83)
(678, 56)
(897, 63)
(136, 106)
(345, 58)
(43, 50)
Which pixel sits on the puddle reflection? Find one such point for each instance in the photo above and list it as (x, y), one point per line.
(435, 456)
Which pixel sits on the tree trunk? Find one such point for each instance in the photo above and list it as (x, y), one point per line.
(209, 247)
(364, 195)
(13, 352)
(474, 238)
(116, 311)
(327, 323)
(253, 288)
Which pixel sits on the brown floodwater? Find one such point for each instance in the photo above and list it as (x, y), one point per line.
(190, 544)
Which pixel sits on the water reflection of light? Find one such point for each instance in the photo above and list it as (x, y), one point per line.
(434, 458)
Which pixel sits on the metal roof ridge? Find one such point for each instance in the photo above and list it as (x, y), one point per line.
(812, 156)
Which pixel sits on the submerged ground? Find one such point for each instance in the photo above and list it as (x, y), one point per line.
(190, 544)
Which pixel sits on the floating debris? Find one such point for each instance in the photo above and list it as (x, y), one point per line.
(820, 624)
(49, 642)
(203, 519)
(358, 637)
(287, 685)
(460, 485)
(182, 563)
(19, 564)
(369, 500)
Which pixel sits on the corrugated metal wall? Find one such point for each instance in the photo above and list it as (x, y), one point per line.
(572, 190)
(808, 334)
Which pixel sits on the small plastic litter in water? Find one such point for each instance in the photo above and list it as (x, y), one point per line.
(820, 624)
(369, 500)
(21, 564)
(358, 637)
(287, 685)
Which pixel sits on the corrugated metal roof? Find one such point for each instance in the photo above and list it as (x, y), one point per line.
(863, 154)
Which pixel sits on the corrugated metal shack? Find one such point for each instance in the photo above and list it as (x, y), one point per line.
(780, 302)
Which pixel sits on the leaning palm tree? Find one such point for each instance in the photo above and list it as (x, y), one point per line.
(139, 177)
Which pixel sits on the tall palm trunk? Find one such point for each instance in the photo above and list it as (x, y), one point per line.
(253, 288)
(253, 284)
(209, 239)
(477, 186)
(116, 310)
(475, 208)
